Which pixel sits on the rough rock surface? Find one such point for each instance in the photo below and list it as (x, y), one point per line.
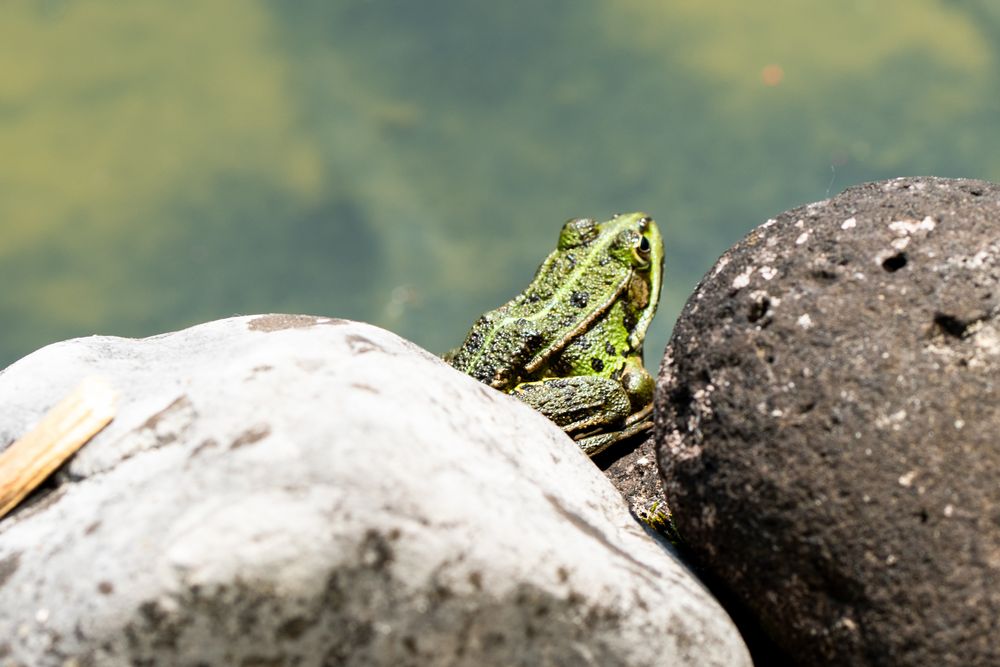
(828, 413)
(632, 468)
(291, 490)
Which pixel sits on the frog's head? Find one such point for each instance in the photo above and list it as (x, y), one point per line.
(634, 240)
(613, 250)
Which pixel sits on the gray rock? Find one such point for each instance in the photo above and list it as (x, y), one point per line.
(282, 490)
(827, 420)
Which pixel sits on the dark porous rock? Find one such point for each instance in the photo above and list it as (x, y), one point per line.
(828, 413)
(632, 469)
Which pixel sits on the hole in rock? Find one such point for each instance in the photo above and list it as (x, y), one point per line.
(894, 263)
(949, 325)
(758, 309)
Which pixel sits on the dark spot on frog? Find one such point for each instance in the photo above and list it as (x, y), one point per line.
(8, 566)
(562, 574)
(362, 345)
(604, 260)
(251, 435)
(486, 374)
(476, 579)
(105, 588)
(534, 297)
(597, 364)
(474, 341)
(262, 369)
(579, 299)
(365, 387)
(609, 348)
(571, 260)
(92, 528)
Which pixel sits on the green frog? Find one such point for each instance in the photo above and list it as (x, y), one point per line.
(570, 345)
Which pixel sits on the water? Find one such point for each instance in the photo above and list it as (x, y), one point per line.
(410, 163)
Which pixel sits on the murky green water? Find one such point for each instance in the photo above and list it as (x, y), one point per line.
(410, 163)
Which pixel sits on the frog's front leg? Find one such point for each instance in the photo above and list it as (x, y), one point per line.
(596, 411)
(639, 386)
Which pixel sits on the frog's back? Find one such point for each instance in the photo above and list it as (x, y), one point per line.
(566, 295)
(496, 346)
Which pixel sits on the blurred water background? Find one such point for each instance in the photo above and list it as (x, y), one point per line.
(409, 163)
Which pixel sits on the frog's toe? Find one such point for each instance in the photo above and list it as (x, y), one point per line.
(593, 445)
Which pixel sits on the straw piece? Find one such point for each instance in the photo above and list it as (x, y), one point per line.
(62, 431)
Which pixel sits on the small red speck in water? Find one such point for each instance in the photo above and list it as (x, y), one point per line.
(772, 75)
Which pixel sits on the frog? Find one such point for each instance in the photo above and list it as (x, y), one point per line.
(570, 344)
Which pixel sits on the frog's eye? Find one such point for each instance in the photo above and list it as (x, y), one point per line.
(640, 251)
(643, 246)
(639, 245)
(576, 232)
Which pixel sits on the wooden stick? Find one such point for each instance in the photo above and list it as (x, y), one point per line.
(61, 432)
